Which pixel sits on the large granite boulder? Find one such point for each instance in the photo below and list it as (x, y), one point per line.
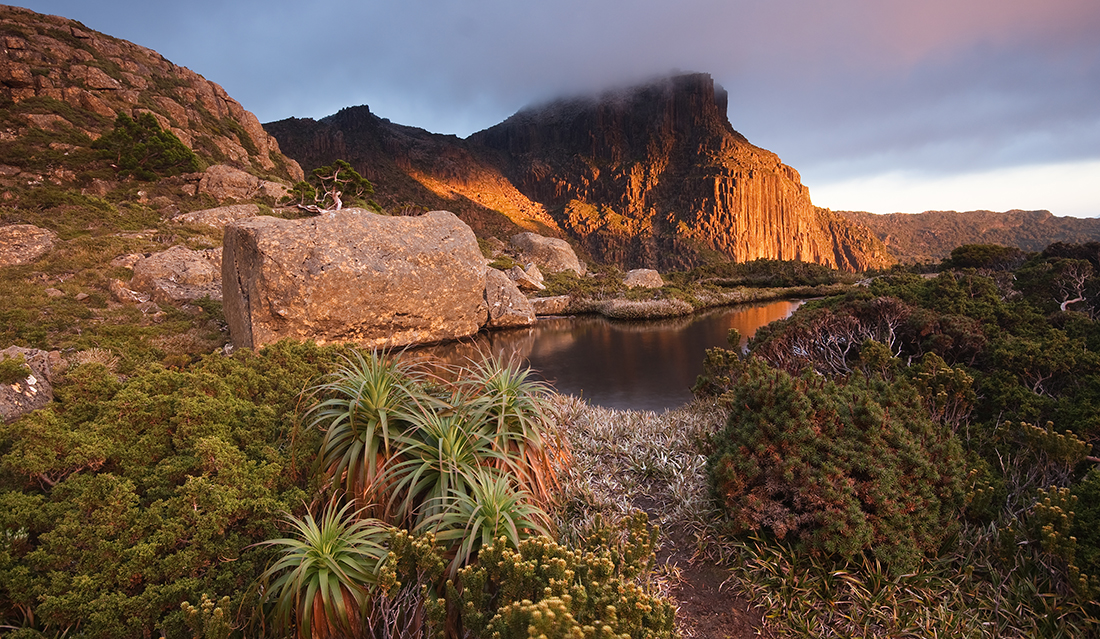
(548, 253)
(508, 306)
(24, 243)
(353, 276)
(31, 392)
(224, 182)
(179, 275)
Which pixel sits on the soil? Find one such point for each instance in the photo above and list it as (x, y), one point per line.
(706, 609)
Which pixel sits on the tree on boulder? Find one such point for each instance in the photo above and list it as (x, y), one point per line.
(140, 148)
(329, 187)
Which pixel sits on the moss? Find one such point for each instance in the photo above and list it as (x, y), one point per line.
(13, 369)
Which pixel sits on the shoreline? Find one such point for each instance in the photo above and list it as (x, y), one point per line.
(621, 308)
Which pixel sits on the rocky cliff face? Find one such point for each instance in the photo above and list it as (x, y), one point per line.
(414, 170)
(656, 176)
(70, 82)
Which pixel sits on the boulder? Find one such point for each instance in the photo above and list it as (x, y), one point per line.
(30, 393)
(556, 305)
(643, 277)
(220, 216)
(548, 253)
(526, 279)
(353, 276)
(224, 182)
(179, 275)
(24, 243)
(508, 307)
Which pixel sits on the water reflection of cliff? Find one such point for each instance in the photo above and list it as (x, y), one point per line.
(641, 365)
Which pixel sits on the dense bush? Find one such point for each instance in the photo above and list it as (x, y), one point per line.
(840, 469)
(123, 499)
(141, 149)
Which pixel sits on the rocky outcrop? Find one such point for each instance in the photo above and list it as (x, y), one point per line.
(527, 279)
(24, 243)
(548, 253)
(643, 278)
(507, 306)
(219, 216)
(179, 275)
(556, 305)
(353, 276)
(30, 393)
(227, 183)
(655, 175)
(99, 77)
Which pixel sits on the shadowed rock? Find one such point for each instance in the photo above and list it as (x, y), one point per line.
(508, 307)
(548, 253)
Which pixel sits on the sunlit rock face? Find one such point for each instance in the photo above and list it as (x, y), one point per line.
(648, 177)
(655, 176)
(353, 276)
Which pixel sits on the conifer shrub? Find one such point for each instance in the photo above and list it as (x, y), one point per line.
(837, 469)
(141, 149)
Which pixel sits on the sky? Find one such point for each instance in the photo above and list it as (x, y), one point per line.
(881, 105)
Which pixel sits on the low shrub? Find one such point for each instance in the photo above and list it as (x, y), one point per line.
(838, 469)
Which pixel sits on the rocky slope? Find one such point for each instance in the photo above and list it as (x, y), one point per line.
(930, 236)
(414, 170)
(62, 86)
(653, 176)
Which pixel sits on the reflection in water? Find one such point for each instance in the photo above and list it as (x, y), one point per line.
(636, 365)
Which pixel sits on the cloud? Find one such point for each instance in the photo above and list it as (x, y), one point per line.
(1067, 189)
(838, 89)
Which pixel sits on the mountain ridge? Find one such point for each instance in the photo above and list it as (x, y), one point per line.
(931, 235)
(652, 176)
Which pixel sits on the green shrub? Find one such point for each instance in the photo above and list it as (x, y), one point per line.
(590, 590)
(13, 369)
(143, 150)
(838, 469)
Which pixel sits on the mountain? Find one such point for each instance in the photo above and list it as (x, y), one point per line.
(62, 86)
(414, 170)
(930, 236)
(652, 176)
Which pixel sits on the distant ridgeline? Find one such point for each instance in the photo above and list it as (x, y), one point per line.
(930, 236)
(653, 176)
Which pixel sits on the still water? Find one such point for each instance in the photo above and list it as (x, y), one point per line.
(617, 364)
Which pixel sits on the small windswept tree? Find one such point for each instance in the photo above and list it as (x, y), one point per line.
(329, 188)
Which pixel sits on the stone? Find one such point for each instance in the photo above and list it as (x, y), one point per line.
(549, 253)
(53, 292)
(352, 276)
(508, 307)
(124, 294)
(556, 305)
(24, 243)
(524, 280)
(30, 393)
(220, 216)
(127, 261)
(644, 278)
(179, 275)
(224, 182)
